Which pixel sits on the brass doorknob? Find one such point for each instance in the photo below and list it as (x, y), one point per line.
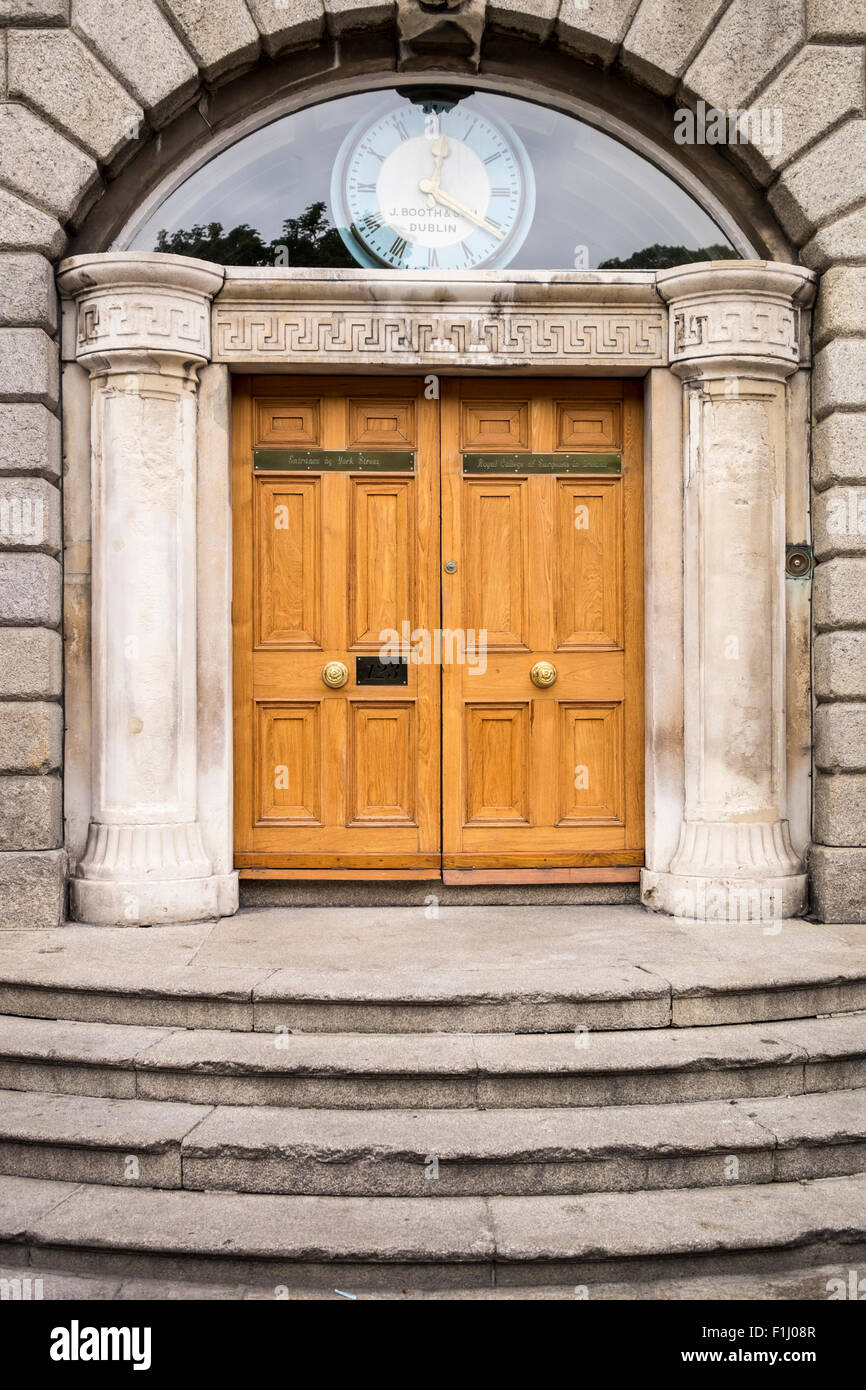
(543, 674)
(335, 674)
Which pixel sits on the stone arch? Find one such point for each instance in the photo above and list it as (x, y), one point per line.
(100, 100)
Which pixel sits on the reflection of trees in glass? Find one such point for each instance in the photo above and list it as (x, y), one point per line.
(307, 240)
(661, 257)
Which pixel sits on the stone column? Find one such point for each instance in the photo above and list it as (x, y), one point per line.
(735, 338)
(142, 329)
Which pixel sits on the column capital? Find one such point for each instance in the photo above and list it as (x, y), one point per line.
(736, 318)
(137, 309)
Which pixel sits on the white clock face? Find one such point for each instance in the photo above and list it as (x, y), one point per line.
(421, 191)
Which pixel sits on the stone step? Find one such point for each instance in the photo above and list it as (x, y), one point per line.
(431, 1153)
(462, 1243)
(28, 1282)
(481, 970)
(366, 1070)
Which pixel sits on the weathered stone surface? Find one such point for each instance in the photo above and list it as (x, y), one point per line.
(31, 663)
(29, 591)
(54, 73)
(835, 19)
(839, 594)
(343, 15)
(747, 42)
(30, 814)
(220, 34)
(840, 665)
(34, 889)
(128, 35)
(840, 737)
(29, 515)
(819, 186)
(840, 808)
(839, 379)
(41, 165)
(288, 27)
(27, 293)
(34, 12)
(29, 367)
(817, 89)
(533, 17)
(839, 522)
(29, 440)
(842, 241)
(22, 225)
(839, 450)
(663, 36)
(838, 883)
(31, 736)
(840, 310)
(593, 28)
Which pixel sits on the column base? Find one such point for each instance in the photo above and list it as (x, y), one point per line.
(695, 898)
(137, 903)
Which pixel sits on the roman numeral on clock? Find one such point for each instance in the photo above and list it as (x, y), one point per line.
(401, 130)
(372, 221)
(365, 187)
(490, 158)
(432, 258)
(398, 249)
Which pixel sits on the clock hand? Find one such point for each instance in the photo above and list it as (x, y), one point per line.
(430, 187)
(441, 151)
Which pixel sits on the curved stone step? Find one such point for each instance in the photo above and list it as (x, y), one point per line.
(366, 1070)
(431, 1153)
(480, 970)
(439, 1243)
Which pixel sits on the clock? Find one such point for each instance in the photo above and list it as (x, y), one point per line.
(448, 190)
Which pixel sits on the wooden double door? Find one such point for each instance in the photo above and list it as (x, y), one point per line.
(438, 628)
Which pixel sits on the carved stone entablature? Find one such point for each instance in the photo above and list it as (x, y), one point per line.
(141, 303)
(485, 322)
(749, 311)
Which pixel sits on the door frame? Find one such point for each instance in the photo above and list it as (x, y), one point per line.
(685, 333)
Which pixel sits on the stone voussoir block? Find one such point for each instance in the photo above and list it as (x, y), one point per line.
(29, 515)
(840, 737)
(220, 35)
(31, 814)
(840, 808)
(838, 883)
(35, 12)
(29, 366)
(842, 241)
(840, 666)
(283, 27)
(32, 890)
(23, 226)
(31, 663)
(42, 166)
(839, 522)
(835, 19)
(535, 18)
(746, 42)
(127, 35)
(662, 38)
(839, 449)
(344, 15)
(27, 293)
(818, 187)
(30, 590)
(31, 736)
(839, 377)
(53, 72)
(593, 28)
